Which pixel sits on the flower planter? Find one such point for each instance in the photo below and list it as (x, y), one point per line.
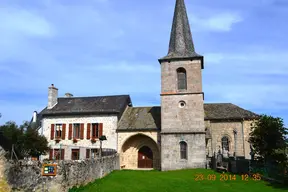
(58, 139)
(75, 140)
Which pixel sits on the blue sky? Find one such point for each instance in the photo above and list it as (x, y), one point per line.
(105, 47)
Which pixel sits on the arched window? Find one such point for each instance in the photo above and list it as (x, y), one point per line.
(181, 78)
(183, 150)
(225, 143)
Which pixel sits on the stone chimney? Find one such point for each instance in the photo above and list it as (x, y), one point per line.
(52, 96)
(68, 95)
(34, 116)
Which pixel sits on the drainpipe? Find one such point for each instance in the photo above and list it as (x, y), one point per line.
(242, 123)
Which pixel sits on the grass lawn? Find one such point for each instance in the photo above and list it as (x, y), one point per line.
(172, 181)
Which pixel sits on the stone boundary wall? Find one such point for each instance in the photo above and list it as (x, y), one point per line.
(27, 175)
(3, 182)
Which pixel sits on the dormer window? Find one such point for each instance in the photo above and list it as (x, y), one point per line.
(181, 78)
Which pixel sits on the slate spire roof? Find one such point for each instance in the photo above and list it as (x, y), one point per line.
(181, 45)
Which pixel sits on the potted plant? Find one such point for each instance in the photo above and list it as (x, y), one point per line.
(75, 140)
(93, 140)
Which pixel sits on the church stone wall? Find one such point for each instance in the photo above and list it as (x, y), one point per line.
(169, 76)
(182, 122)
(225, 128)
(170, 151)
(109, 130)
(247, 131)
(188, 118)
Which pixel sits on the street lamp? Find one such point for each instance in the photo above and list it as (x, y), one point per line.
(102, 138)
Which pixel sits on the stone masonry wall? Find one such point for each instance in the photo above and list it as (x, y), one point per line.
(124, 136)
(109, 130)
(26, 176)
(170, 153)
(220, 129)
(169, 76)
(3, 163)
(182, 116)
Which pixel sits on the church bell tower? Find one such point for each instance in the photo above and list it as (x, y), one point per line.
(182, 99)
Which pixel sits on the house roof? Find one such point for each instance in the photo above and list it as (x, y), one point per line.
(146, 118)
(82, 105)
(181, 44)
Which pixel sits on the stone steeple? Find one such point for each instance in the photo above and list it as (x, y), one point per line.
(182, 99)
(181, 44)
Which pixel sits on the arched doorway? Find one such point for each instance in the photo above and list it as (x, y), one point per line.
(133, 150)
(145, 157)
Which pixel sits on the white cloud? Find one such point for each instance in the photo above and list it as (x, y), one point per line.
(222, 22)
(20, 21)
(268, 61)
(125, 67)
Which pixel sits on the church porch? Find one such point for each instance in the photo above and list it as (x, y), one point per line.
(140, 152)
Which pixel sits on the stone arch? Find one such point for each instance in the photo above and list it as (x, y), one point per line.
(230, 139)
(183, 150)
(181, 78)
(225, 143)
(224, 135)
(130, 148)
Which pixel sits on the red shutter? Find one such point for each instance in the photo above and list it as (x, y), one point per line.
(51, 154)
(82, 131)
(63, 131)
(100, 129)
(52, 132)
(88, 130)
(62, 154)
(70, 131)
(87, 153)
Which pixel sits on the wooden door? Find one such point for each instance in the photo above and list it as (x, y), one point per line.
(145, 157)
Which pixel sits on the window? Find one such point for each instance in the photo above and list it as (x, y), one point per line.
(182, 79)
(56, 154)
(76, 130)
(225, 143)
(182, 104)
(75, 154)
(183, 150)
(95, 130)
(94, 152)
(58, 131)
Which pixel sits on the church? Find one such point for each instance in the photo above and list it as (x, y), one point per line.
(183, 132)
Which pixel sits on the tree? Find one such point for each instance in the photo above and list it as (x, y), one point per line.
(34, 144)
(268, 139)
(26, 140)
